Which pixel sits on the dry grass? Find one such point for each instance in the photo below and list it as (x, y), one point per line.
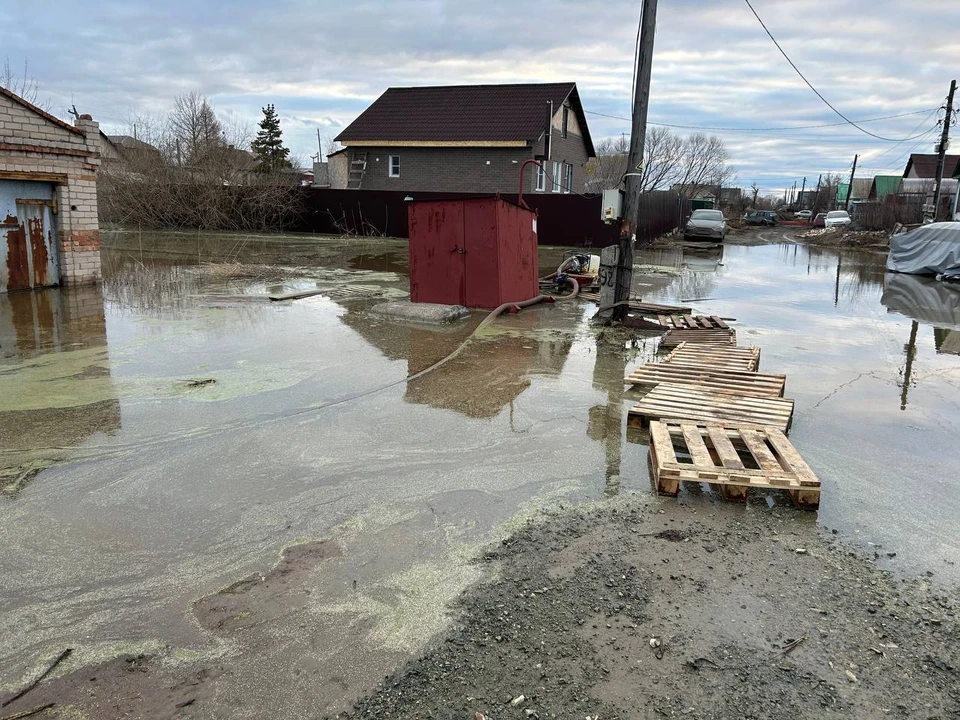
(246, 271)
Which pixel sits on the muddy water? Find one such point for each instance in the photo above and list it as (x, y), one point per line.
(169, 434)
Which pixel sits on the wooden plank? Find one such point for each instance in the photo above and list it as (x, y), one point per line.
(661, 438)
(758, 448)
(698, 450)
(723, 446)
(720, 323)
(687, 403)
(709, 377)
(788, 452)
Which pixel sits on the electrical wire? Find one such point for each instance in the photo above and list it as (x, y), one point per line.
(810, 85)
(890, 149)
(769, 129)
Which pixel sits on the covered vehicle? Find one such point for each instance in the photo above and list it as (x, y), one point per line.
(705, 225)
(932, 249)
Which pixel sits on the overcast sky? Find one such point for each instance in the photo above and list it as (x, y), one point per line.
(321, 62)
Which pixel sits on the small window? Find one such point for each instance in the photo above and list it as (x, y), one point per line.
(541, 178)
(557, 179)
(567, 178)
(394, 166)
(565, 121)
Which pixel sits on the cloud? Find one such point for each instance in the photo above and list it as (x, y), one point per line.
(322, 62)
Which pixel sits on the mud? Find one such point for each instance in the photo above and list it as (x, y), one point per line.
(752, 613)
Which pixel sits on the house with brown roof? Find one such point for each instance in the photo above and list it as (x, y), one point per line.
(469, 138)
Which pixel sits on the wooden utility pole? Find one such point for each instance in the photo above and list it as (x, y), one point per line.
(853, 172)
(638, 133)
(944, 141)
(803, 189)
(816, 199)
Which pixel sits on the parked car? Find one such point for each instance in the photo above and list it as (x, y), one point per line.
(705, 225)
(761, 217)
(819, 220)
(837, 218)
(803, 214)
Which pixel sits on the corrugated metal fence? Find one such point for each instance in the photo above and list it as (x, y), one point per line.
(570, 220)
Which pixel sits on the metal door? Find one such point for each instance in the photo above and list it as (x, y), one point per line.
(28, 244)
(436, 252)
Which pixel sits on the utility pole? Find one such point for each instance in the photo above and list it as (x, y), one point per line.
(853, 172)
(319, 147)
(944, 141)
(816, 200)
(638, 133)
(803, 189)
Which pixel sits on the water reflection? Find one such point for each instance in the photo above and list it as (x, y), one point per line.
(56, 379)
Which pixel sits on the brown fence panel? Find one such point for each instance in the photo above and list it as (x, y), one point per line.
(660, 212)
(569, 220)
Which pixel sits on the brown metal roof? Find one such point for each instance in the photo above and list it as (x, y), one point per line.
(464, 113)
(42, 113)
(926, 165)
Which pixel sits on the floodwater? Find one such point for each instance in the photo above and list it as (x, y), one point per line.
(174, 430)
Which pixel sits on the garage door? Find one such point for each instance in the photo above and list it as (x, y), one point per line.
(28, 246)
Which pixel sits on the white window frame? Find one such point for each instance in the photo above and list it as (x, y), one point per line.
(390, 172)
(567, 177)
(557, 180)
(541, 177)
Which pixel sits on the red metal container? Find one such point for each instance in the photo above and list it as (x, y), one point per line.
(478, 252)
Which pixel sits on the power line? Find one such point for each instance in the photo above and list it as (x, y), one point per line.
(890, 149)
(810, 85)
(769, 129)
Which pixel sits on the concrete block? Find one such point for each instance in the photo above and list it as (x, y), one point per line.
(430, 313)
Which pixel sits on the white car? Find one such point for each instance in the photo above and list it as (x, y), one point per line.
(837, 218)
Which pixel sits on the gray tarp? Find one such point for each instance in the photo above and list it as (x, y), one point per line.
(922, 298)
(927, 250)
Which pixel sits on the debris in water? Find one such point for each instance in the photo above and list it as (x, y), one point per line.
(199, 382)
(850, 676)
(517, 701)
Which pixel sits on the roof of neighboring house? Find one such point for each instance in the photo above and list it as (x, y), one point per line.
(861, 189)
(464, 113)
(925, 166)
(884, 185)
(127, 142)
(42, 113)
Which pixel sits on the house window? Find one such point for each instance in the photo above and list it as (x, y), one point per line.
(557, 179)
(541, 178)
(393, 166)
(564, 122)
(567, 178)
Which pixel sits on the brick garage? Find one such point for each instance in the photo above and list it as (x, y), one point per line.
(48, 197)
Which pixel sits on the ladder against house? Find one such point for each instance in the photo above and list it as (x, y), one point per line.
(358, 166)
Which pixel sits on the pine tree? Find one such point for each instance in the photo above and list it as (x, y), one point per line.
(268, 146)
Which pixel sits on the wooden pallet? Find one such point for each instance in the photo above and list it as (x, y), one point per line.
(717, 356)
(704, 322)
(717, 455)
(642, 308)
(668, 401)
(709, 378)
(699, 336)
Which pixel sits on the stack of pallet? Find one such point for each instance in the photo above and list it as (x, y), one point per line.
(714, 418)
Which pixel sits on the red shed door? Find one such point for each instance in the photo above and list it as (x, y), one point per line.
(519, 273)
(483, 254)
(437, 252)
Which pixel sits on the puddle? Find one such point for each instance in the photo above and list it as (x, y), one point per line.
(132, 493)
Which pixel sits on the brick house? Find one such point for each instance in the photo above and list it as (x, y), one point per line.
(469, 138)
(49, 231)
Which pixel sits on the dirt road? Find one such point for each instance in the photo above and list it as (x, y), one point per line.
(631, 612)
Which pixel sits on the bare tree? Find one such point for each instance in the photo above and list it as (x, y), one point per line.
(606, 170)
(756, 191)
(703, 160)
(193, 170)
(25, 85)
(662, 155)
(195, 128)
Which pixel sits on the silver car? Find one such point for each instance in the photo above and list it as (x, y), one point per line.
(706, 225)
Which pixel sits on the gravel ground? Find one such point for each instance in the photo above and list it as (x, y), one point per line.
(633, 612)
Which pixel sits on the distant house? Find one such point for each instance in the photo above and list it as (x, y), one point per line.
(729, 196)
(469, 138)
(924, 167)
(861, 190)
(884, 185)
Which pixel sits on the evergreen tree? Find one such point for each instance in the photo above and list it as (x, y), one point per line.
(268, 146)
